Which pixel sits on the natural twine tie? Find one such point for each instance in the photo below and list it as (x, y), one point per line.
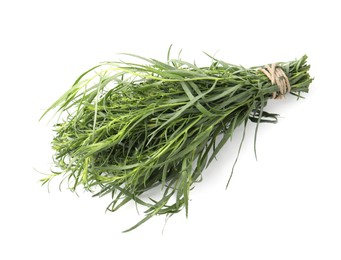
(277, 77)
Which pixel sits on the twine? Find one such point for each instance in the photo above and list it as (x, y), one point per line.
(277, 77)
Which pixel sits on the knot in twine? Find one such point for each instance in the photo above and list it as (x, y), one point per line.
(277, 77)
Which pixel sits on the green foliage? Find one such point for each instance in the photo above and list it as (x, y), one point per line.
(126, 128)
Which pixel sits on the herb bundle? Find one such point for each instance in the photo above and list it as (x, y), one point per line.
(125, 128)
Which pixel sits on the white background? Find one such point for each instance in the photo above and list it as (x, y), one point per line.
(285, 206)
